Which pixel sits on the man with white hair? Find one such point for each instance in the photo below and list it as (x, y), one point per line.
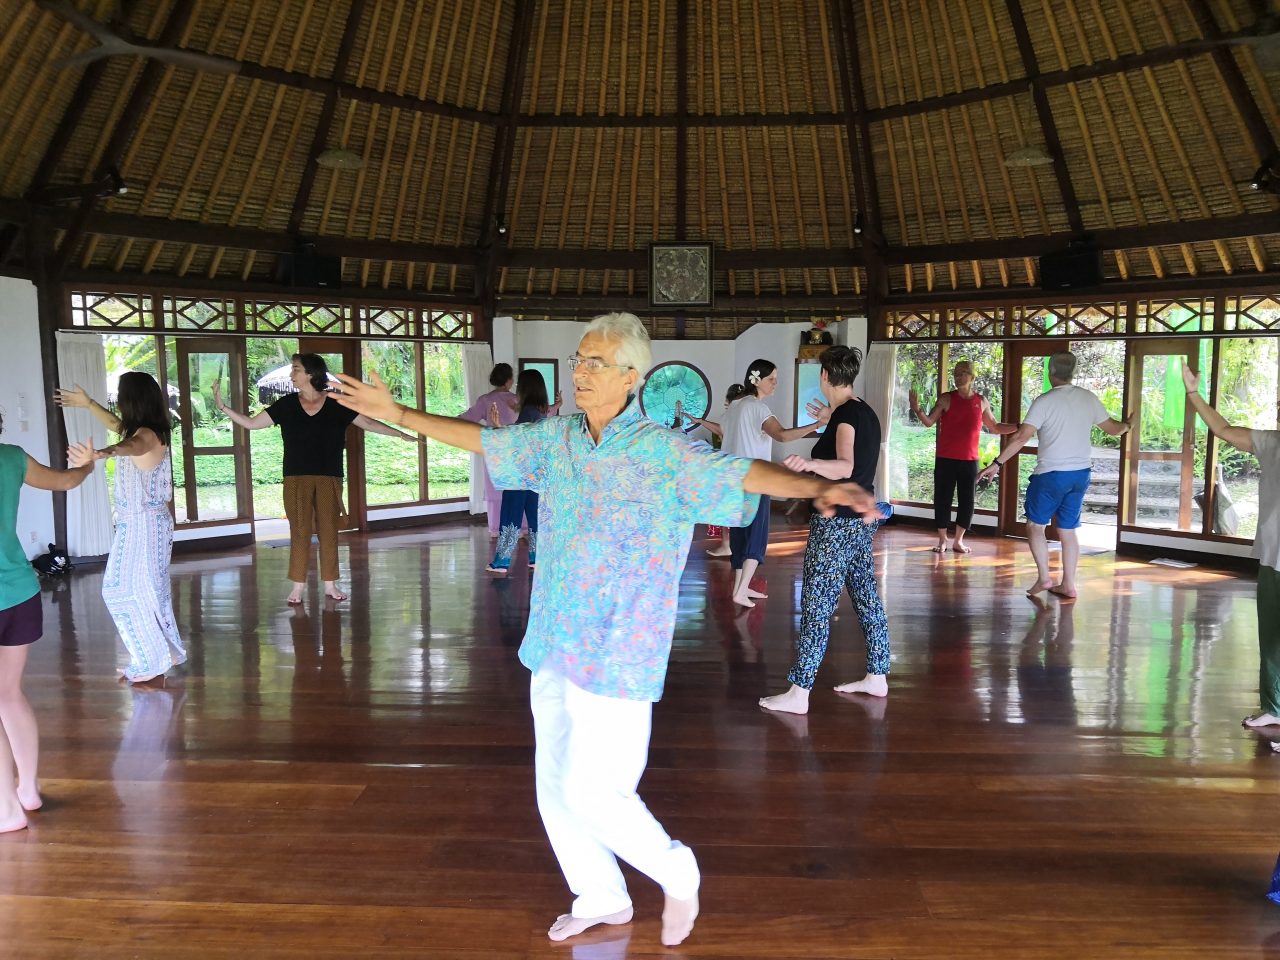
(619, 495)
(1063, 417)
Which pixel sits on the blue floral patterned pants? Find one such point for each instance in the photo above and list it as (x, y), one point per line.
(839, 555)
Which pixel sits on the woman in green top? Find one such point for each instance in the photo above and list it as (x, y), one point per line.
(21, 624)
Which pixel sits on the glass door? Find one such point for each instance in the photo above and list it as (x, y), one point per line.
(343, 356)
(1163, 489)
(211, 463)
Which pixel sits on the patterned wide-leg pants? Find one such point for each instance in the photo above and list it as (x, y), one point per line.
(137, 592)
(839, 555)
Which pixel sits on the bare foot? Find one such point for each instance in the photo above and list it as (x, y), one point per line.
(873, 684)
(959, 547)
(1040, 586)
(18, 821)
(941, 547)
(567, 925)
(1062, 591)
(333, 593)
(743, 601)
(795, 700)
(1263, 719)
(30, 799)
(295, 595)
(149, 683)
(677, 919)
(718, 553)
(756, 594)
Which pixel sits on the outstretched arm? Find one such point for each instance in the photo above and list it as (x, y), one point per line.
(374, 400)
(1114, 428)
(77, 397)
(377, 426)
(1239, 437)
(1019, 440)
(993, 425)
(837, 469)
(775, 481)
(776, 431)
(932, 416)
(256, 422)
(141, 443)
(47, 478)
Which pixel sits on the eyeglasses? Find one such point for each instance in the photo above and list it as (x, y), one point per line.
(594, 364)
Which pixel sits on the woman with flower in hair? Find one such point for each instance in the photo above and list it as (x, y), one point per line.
(749, 429)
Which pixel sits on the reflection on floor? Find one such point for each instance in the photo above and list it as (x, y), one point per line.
(1056, 781)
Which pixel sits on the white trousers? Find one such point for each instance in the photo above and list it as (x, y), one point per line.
(591, 752)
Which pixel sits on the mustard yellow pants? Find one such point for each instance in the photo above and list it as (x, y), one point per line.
(313, 505)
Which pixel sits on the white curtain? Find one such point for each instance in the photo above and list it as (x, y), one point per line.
(81, 361)
(477, 364)
(878, 392)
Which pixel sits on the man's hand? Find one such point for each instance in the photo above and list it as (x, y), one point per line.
(75, 397)
(847, 495)
(796, 464)
(820, 411)
(373, 399)
(992, 469)
(1190, 380)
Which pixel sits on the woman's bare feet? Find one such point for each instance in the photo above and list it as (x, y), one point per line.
(332, 592)
(1063, 591)
(795, 700)
(567, 925)
(30, 799)
(719, 552)
(12, 821)
(873, 685)
(756, 594)
(1040, 586)
(941, 546)
(743, 600)
(295, 595)
(1263, 719)
(677, 919)
(961, 547)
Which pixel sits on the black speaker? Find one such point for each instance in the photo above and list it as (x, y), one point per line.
(1071, 269)
(309, 270)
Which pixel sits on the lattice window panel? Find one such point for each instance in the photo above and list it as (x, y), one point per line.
(1253, 313)
(446, 324)
(914, 325)
(117, 310)
(1191, 315)
(969, 324)
(183, 313)
(1067, 320)
(385, 322)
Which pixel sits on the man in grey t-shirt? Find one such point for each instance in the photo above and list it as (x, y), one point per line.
(1265, 445)
(1064, 417)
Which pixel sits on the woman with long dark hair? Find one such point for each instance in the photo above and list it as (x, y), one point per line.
(497, 404)
(531, 398)
(749, 428)
(313, 427)
(21, 624)
(135, 585)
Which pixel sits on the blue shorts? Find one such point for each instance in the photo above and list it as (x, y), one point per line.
(1058, 493)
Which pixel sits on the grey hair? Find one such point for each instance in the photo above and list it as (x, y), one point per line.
(634, 349)
(1062, 366)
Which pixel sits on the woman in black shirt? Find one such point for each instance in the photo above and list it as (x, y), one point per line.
(839, 550)
(314, 430)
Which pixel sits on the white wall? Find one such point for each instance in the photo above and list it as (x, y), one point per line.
(22, 401)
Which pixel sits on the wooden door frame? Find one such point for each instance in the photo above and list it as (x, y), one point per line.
(234, 348)
(349, 349)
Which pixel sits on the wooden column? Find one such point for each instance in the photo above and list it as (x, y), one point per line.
(50, 307)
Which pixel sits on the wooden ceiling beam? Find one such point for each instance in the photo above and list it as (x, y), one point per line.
(742, 305)
(320, 141)
(1119, 238)
(495, 196)
(1170, 53)
(736, 259)
(125, 127)
(1044, 113)
(682, 135)
(1237, 87)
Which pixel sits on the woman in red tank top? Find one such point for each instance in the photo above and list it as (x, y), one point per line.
(960, 415)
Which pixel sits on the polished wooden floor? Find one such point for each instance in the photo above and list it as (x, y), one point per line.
(357, 782)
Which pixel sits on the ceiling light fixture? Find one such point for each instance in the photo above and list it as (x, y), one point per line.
(340, 158)
(1028, 157)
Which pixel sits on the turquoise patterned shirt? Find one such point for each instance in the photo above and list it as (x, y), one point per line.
(614, 525)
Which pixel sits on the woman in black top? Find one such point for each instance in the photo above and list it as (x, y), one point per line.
(314, 429)
(839, 550)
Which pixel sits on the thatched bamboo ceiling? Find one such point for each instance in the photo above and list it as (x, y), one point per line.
(561, 121)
